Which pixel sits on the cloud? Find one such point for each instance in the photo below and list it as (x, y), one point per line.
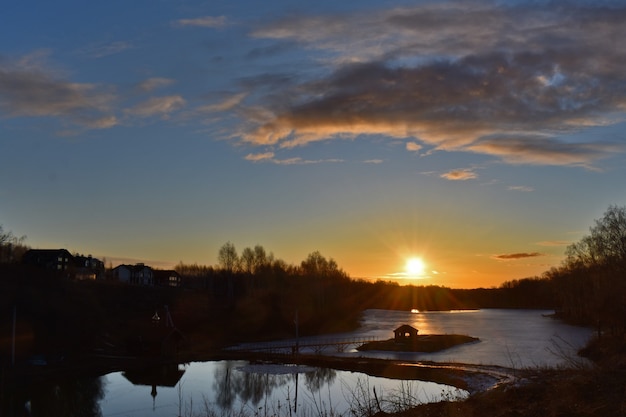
(413, 147)
(545, 151)
(227, 104)
(512, 82)
(154, 83)
(260, 156)
(29, 89)
(523, 188)
(101, 50)
(300, 161)
(521, 255)
(205, 21)
(157, 106)
(270, 157)
(459, 175)
(373, 161)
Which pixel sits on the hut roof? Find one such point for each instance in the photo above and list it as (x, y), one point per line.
(405, 328)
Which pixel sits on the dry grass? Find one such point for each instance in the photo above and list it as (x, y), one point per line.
(572, 393)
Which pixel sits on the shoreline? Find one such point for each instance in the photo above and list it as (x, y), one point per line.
(469, 377)
(421, 343)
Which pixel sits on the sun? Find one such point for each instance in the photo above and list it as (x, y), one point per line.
(415, 267)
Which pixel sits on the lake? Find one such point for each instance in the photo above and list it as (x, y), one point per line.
(512, 338)
(239, 388)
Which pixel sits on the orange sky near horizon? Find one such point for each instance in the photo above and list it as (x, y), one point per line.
(443, 267)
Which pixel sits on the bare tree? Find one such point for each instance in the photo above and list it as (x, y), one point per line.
(598, 264)
(247, 261)
(227, 258)
(10, 246)
(261, 259)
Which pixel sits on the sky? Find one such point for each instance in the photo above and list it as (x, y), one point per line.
(482, 137)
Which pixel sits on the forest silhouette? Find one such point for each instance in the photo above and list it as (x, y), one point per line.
(255, 296)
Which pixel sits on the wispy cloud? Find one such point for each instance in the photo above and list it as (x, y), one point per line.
(271, 157)
(226, 104)
(29, 88)
(157, 106)
(523, 188)
(204, 21)
(459, 175)
(154, 83)
(507, 81)
(545, 151)
(100, 50)
(520, 255)
(255, 157)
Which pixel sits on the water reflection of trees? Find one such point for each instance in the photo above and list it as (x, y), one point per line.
(255, 389)
(316, 380)
(222, 384)
(67, 398)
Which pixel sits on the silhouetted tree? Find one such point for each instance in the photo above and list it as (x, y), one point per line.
(227, 258)
(592, 281)
(247, 261)
(260, 257)
(11, 247)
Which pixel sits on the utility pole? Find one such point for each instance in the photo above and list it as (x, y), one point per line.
(297, 337)
(13, 335)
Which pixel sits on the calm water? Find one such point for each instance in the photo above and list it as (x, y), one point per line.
(239, 388)
(512, 338)
(517, 338)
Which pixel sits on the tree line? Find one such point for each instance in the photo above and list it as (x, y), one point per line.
(591, 282)
(588, 288)
(266, 293)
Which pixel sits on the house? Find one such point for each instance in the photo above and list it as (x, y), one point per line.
(166, 278)
(77, 266)
(88, 267)
(51, 259)
(405, 333)
(138, 274)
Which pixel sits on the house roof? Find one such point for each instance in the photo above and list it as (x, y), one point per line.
(137, 267)
(47, 252)
(47, 257)
(406, 328)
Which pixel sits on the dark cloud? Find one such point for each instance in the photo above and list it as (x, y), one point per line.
(544, 150)
(268, 81)
(509, 82)
(271, 50)
(26, 89)
(520, 255)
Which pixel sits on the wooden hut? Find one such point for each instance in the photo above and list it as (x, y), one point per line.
(405, 333)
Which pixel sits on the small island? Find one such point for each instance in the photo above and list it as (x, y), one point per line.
(406, 339)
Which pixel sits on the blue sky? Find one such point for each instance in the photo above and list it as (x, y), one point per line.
(483, 137)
